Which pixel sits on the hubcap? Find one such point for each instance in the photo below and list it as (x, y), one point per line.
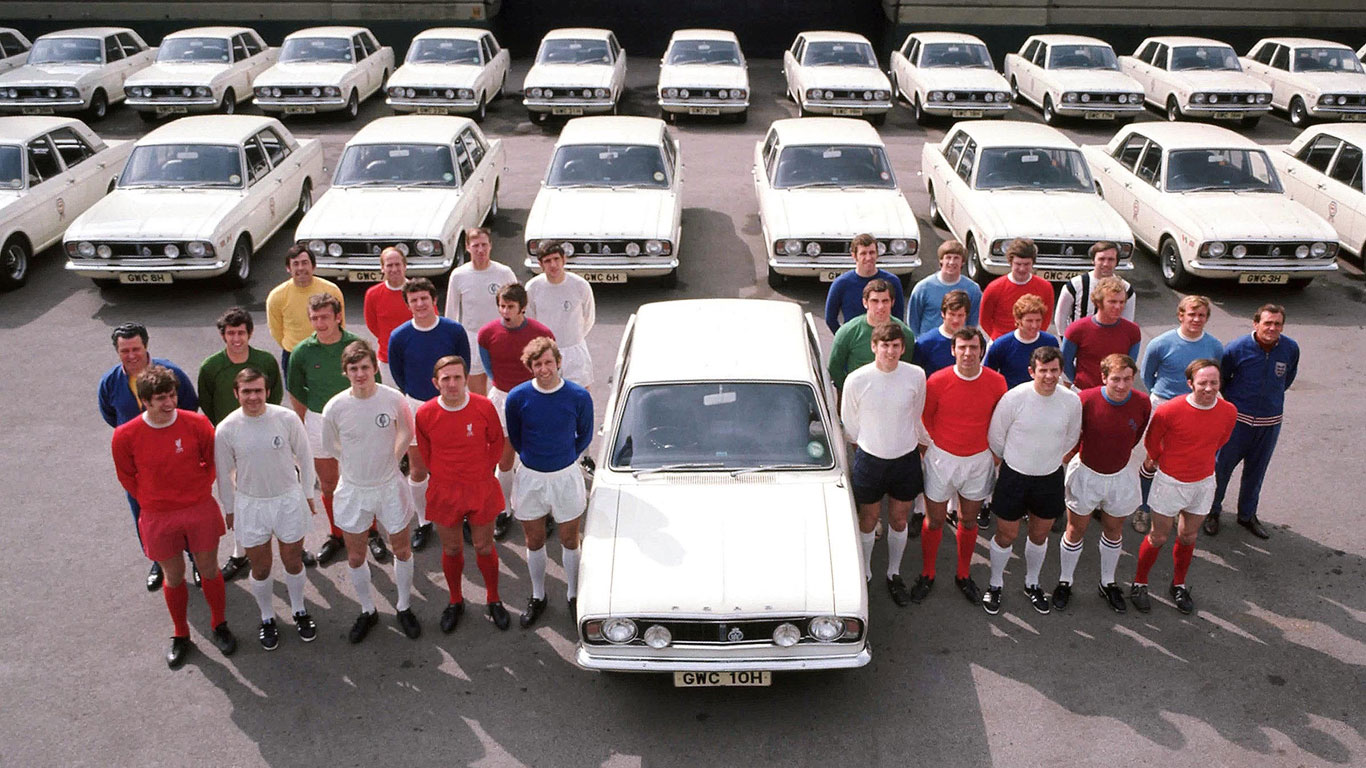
(14, 261)
(305, 200)
(1169, 262)
(243, 261)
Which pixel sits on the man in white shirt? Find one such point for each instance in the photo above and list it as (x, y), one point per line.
(472, 296)
(265, 483)
(563, 301)
(1035, 425)
(369, 427)
(1074, 300)
(881, 413)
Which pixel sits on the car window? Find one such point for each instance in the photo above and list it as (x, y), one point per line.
(686, 52)
(615, 46)
(484, 47)
(357, 49)
(565, 51)
(1160, 56)
(1347, 169)
(968, 161)
(1033, 168)
(239, 49)
(42, 161)
(1145, 55)
(371, 44)
(112, 50)
(1326, 60)
(910, 48)
(964, 55)
(1128, 153)
(334, 49)
(10, 45)
(1083, 56)
(389, 165)
(1040, 55)
(474, 145)
(839, 54)
(275, 147)
(11, 167)
(1207, 58)
(193, 49)
(770, 152)
(492, 43)
(1281, 59)
(1319, 152)
(70, 146)
(1150, 166)
(956, 145)
(253, 43)
(463, 160)
(130, 44)
(183, 165)
(798, 47)
(1201, 170)
(608, 165)
(258, 162)
(435, 50)
(670, 159)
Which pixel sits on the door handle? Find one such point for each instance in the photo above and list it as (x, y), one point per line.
(1321, 185)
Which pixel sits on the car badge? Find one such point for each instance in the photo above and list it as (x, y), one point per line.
(606, 249)
(735, 635)
(375, 249)
(1275, 250)
(145, 251)
(1068, 251)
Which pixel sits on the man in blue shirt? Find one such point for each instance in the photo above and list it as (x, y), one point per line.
(934, 348)
(846, 293)
(1009, 355)
(922, 308)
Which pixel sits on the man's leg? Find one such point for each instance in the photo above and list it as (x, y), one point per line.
(400, 542)
(452, 561)
(1001, 544)
(507, 473)
(1069, 552)
(260, 558)
(329, 473)
(867, 524)
(898, 513)
(1036, 551)
(569, 542)
(1258, 458)
(1111, 547)
(417, 484)
(1187, 529)
(534, 531)
(1147, 555)
(356, 549)
(1230, 455)
(292, 557)
(486, 557)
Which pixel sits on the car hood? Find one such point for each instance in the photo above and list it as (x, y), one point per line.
(962, 78)
(8, 197)
(1094, 80)
(1332, 82)
(48, 74)
(305, 73)
(569, 76)
(844, 77)
(436, 75)
(371, 212)
(180, 214)
(703, 76)
(1052, 215)
(841, 213)
(1220, 81)
(1231, 215)
(177, 74)
(571, 213)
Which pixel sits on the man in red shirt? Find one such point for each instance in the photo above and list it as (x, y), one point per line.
(998, 298)
(461, 441)
(385, 307)
(1182, 440)
(164, 459)
(1089, 340)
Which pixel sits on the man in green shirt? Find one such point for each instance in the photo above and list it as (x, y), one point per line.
(853, 345)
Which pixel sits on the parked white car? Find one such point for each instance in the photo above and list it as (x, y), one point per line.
(415, 182)
(450, 71)
(836, 73)
(1321, 169)
(51, 170)
(948, 74)
(196, 199)
(75, 70)
(14, 48)
(703, 72)
(720, 541)
(578, 71)
(1210, 204)
(991, 182)
(1196, 77)
(205, 69)
(325, 69)
(612, 197)
(1310, 79)
(1073, 76)
(821, 181)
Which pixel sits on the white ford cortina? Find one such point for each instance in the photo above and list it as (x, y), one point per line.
(14, 49)
(1310, 79)
(948, 74)
(196, 199)
(450, 70)
(51, 170)
(821, 181)
(205, 69)
(1321, 169)
(612, 198)
(703, 72)
(720, 541)
(1196, 77)
(75, 70)
(578, 71)
(415, 182)
(1073, 76)
(836, 73)
(1210, 204)
(325, 69)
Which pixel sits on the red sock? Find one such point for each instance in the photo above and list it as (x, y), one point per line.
(488, 565)
(1147, 555)
(1181, 561)
(967, 542)
(454, 568)
(215, 596)
(929, 548)
(327, 506)
(177, 601)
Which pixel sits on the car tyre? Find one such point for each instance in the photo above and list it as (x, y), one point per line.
(239, 268)
(775, 280)
(1015, 90)
(669, 281)
(1174, 110)
(493, 207)
(305, 200)
(14, 263)
(353, 105)
(149, 117)
(936, 215)
(1299, 116)
(977, 271)
(99, 106)
(502, 89)
(1174, 272)
(1050, 113)
(1250, 122)
(918, 111)
(228, 106)
(482, 111)
(878, 119)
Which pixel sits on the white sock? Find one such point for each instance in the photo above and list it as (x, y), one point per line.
(1109, 559)
(261, 591)
(505, 480)
(1068, 555)
(1034, 557)
(865, 541)
(294, 582)
(237, 551)
(571, 571)
(919, 508)
(896, 547)
(420, 499)
(535, 562)
(999, 557)
(403, 579)
(360, 580)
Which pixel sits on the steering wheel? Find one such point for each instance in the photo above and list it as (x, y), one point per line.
(666, 438)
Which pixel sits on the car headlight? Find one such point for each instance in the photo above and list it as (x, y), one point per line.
(587, 93)
(813, 248)
(171, 250)
(633, 249)
(334, 250)
(1301, 251)
(1239, 251)
(1198, 98)
(549, 93)
(104, 252)
(568, 248)
(450, 93)
(900, 246)
(315, 92)
(70, 93)
(1325, 99)
(881, 247)
(654, 247)
(395, 92)
(879, 95)
(1070, 98)
(402, 248)
(867, 95)
(618, 630)
(1317, 250)
(187, 92)
(670, 93)
(1342, 100)
(950, 96)
(535, 93)
(826, 629)
(787, 635)
(262, 92)
(275, 92)
(203, 91)
(600, 93)
(1252, 98)
(410, 92)
(657, 636)
(684, 93)
(464, 93)
(317, 247)
(1263, 98)
(1216, 249)
(936, 95)
(129, 91)
(1003, 97)
(195, 249)
(85, 249)
(425, 247)
(1085, 97)
(828, 94)
(792, 247)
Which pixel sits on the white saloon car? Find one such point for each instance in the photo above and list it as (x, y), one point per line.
(821, 181)
(325, 69)
(13, 49)
(1310, 79)
(703, 72)
(1210, 204)
(196, 199)
(836, 73)
(720, 541)
(948, 74)
(613, 197)
(75, 70)
(415, 182)
(51, 170)
(450, 70)
(1321, 169)
(578, 71)
(991, 182)
(1196, 77)
(1073, 76)
(206, 69)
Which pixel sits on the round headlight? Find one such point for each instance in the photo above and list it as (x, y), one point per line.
(1069, 97)
(315, 92)
(633, 249)
(950, 96)
(171, 250)
(900, 246)
(1217, 249)
(85, 249)
(275, 92)
(70, 93)
(395, 92)
(658, 637)
(104, 252)
(317, 247)
(792, 247)
(1085, 97)
(618, 630)
(936, 95)
(403, 249)
(881, 247)
(600, 93)
(879, 95)
(1252, 98)
(684, 93)
(829, 94)
(536, 93)
(549, 93)
(568, 248)
(1263, 98)
(1342, 100)
(1326, 99)
(425, 247)
(867, 95)
(410, 92)
(203, 91)
(587, 93)
(195, 249)
(466, 93)
(654, 247)
(1301, 251)
(450, 93)
(813, 248)
(186, 92)
(52, 93)
(1318, 250)
(1198, 98)
(334, 250)
(670, 93)
(1002, 97)
(786, 635)
(14, 93)
(1239, 251)
(826, 629)
(260, 92)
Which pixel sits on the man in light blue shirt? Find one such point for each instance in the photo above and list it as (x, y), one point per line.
(923, 307)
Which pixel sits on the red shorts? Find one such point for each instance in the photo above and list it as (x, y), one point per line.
(449, 504)
(166, 534)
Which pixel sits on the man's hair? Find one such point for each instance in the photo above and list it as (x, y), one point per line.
(876, 285)
(537, 347)
(246, 375)
(1115, 362)
(473, 232)
(155, 380)
(299, 250)
(357, 351)
(1272, 309)
(549, 248)
(952, 246)
(234, 317)
(889, 332)
(515, 292)
(1105, 287)
(392, 249)
(450, 360)
(319, 300)
(861, 240)
(1101, 247)
(129, 331)
(969, 333)
(418, 285)
(1029, 303)
(1197, 364)
(1045, 354)
(1022, 248)
(955, 300)
(1190, 302)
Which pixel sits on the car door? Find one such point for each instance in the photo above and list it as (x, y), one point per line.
(285, 176)
(765, 160)
(477, 183)
(1147, 204)
(363, 68)
(487, 81)
(1346, 206)
(111, 75)
(959, 188)
(901, 67)
(1118, 178)
(136, 55)
(49, 183)
(673, 159)
(14, 50)
(1302, 183)
(791, 68)
(1034, 73)
(265, 197)
(618, 67)
(82, 174)
(1279, 77)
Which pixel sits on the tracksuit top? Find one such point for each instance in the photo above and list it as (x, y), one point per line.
(1255, 380)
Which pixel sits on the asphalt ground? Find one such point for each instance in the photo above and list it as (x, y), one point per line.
(1270, 672)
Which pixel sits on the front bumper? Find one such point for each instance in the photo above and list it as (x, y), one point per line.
(808, 267)
(42, 107)
(1078, 108)
(1334, 112)
(179, 269)
(322, 104)
(1226, 268)
(851, 108)
(857, 656)
(344, 268)
(196, 104)
(956, 109)
(685, 106)
(1218, 111)
(433, 106)
(632, 266)
(583, 106)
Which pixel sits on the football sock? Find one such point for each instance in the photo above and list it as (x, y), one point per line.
(454, 568)
(403, 579)
(535, 563)
(1068, 555)
(261, 591)
(1034, 557)
(999, 557)
(216, 596)
(929, 547)
(571, 571)
(488, 565)
(1109, 559)
(360, 581)
(177, 602)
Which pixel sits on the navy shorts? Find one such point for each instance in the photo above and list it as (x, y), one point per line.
(1017, 495)
(874, 478)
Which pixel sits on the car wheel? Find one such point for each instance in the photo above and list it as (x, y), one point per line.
(1250, 122)
(493, 206)
(1299, 116)
(149, 117)
(1015, 90)
(616, 105)
(14, 264)
(353, 105)
(305, 199)
(228, 106)
(502, 88)
(1050, 115)
(775, 280)
(936, 215)
(669, 281)
(1173, 110)
(741, 117)
(99, 106)
(878, 119)
(239, 269)
(669, 117)
(482, 111)
(977, 271)
(918, 111)
(1174, 272)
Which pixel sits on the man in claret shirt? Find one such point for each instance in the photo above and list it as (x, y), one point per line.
(1183, 438)
(1091, 339)
(385, 308)
(998, 299)
(934, 348)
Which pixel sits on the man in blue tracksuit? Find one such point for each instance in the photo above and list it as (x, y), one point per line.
(1257, 370)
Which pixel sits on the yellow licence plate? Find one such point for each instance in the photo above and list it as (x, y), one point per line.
(1263, 278)
(719, 679)
(145, 278)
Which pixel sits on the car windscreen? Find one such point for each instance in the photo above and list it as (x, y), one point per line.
(436, 51)
(729, 425)
(1205, 57)
(833, 166)
(1225, 170)
(183, 165)
(194, 49)
(1326, 60)
(608, 165)
(1082, 57)
(67, 50)
(967, 55)
(1033, 168)
(704, 52)
(427, 165)
(333, 49)
(842, 54)
(11, 167)
(574, 52)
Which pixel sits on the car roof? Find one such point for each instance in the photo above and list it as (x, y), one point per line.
(575, 32)
(21, 128)
(1014, 133)
(825, 130)
(825, 35)
(1353, 132)
(614, 129)
(1194, 136)
(87, 32)
(1175, 40)
(945, 37)
(452, 33)
(411, 129)
(209, 129)
(208, 32)
(719, 339)
(1303, 42)
(699, 33)
(1070, 40)
(326, 32)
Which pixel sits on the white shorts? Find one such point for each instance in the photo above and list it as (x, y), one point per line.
(971, 477)
(576, 364)
(560, 493)
(255, 519)
(355, 507)
(385, 376)
(498, 397)
(1169, 496)
(476, 360)
(313, 425)
(1118, 494)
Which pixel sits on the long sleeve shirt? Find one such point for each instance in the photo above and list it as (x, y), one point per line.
(958, 410)
(852, 348)
(567, 309)
(385, 309)
(460, 446)
(368, 435)
(1183, 438)
(549, 430)
(1255, 379)
(264, 456)
(933, 351)
(471, 294)
(998, 302)
(218, 381)
(500, 350)
(287, 310)
(844, 301)
(1086, 342)
(315, 372)
(1110, 430)
(1163, 368)
(1009, 356)
(165, 468)
(118, 402)
(413, 351)
(881, 409)
(1032, 432)
(924, 310)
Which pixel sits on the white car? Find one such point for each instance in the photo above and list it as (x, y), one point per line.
(13, 48)
(75, 70)
(703, 72)
(991, 182)
(205, 69)
(51, 170)
(948, 74)
(1073, 76)
(578, 71)
(720, 541)
(415, 182)
(612, 197)
(1321, 169)
(1196, 77)
(1310, 79)
(821, 181)
(196, 199)
(1210, 204)
(450, 70)
(325, 69)
(836, 73)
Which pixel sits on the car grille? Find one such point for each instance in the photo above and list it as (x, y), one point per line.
(567, 94)
(730, 633)
(847, 94)
(296, 91)
(367, 248)
(38, 92)
(1351, 101)
(605, 247)
(703, 94)
(1269, 250)
(1063, 247)
(1088, 98)
(149, 249)
(429, 93)
(1231, 99)
(168, 92)
(843, 248)
(970, 97)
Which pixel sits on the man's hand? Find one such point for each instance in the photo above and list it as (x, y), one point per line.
(228, 519)
(1149, 465)
(312, 509)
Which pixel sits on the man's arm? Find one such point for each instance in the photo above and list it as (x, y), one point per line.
(915, 307)
(277, 384)
(988, 310)
(1045, 291)
(898, 296)
(583, 434)
(124, 465)
(332, 435)
(839, 360)
(404, 430)
(590, 311)
(1000, 426)
(833, 298)
(512, 410)
(397, 355)
(185, 396)
(1152, 441)
(1147, 366)
(1292, 368)
(974, 292)
(225, 462)
(849, 413)
(206, 440)
(206, 403)
(370, 310)
(1069, 358)
(335, 291)
(424, 442)
(486, 359)
(303, 457)
(105, 399)
(1067, 298)
(453, 307)
(297, 385)
(275, 316)
(493, 437)
(462, 347)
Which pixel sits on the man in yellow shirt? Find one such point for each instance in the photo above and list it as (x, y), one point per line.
(287, 304)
